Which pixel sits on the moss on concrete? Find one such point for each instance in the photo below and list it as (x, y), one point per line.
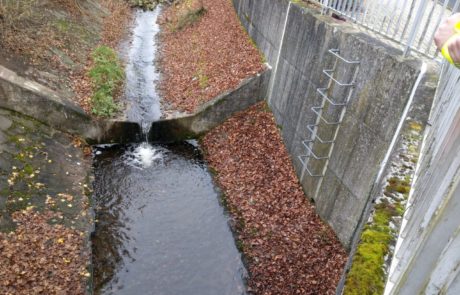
(397, 185)
(42, 169)
(368, 272)
(415, 126)
(367, 275)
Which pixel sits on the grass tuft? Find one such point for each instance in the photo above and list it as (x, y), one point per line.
(107, 76)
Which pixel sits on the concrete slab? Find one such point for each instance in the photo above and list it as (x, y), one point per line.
(5, 123)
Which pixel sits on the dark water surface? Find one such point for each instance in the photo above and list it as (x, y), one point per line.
(161, 229)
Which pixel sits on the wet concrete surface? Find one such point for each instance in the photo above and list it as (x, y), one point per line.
(160, 227)
(43, 168)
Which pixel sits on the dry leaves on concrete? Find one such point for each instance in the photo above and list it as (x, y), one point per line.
(289, 249)
(201, 60)
(41, 258)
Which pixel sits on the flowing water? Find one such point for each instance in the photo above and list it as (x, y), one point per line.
(141, 75)
(160, 228)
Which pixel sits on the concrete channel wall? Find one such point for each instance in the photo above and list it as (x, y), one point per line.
(384, 83)
(428, 251)
(54, 109)
(212, 113)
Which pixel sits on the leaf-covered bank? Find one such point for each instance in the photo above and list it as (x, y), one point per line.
(288, 248)
(98, 96)
(205, 51)
(45, 220)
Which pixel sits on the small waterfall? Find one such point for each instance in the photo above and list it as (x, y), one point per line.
(142, 156)
(141, 74)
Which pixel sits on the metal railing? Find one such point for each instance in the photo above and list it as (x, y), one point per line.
(410, 23)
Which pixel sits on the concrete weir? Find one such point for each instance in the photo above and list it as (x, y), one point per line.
(58, 111)
(31, 99)
(212, 113)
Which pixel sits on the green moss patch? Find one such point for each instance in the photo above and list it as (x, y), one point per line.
(367, 275)
(397, 185)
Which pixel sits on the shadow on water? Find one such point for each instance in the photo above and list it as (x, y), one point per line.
(161, 229)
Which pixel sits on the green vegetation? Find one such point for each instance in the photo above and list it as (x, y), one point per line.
(145, 4)
(397, 185)
(63, 25)
(416, 126)
(107, 76)
(23, 184)
(240, 245)
(367, 275)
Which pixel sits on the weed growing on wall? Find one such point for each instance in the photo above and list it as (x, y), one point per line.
(106, 76)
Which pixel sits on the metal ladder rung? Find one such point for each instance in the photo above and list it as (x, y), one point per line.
(335, 52)
(320, 119)
(304, 164)
(328, 73)
(315, 110)
(310, 128)
(324, 95)
(305, 144)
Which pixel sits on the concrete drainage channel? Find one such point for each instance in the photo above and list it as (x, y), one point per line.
(160, 227)
(150, 171)
(158, 219)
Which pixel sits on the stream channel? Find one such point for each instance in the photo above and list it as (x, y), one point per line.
(160, 228)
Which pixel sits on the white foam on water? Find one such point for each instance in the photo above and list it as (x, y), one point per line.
(143, 156)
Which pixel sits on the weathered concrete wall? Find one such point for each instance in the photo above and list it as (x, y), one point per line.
(428, 251)
(55, 110)
(43, 104)
(264, 21)
(37, 101)
(384, 83)
(213, 113)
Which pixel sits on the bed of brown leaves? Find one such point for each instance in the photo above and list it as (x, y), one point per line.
(289, 249)
(40, 258)
(206, 58)
(114, 29)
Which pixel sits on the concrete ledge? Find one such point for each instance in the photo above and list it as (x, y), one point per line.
(55, 110)
(213, 113)
(45, 105)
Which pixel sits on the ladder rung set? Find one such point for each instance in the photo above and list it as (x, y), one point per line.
(321, 120)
